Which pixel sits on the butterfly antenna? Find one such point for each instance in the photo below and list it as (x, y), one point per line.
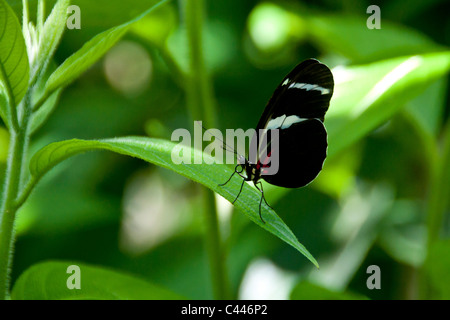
(224, 145)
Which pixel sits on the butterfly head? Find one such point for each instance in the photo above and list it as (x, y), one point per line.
(247, 170)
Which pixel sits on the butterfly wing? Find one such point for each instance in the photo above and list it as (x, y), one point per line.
(305, 92)
(297, 108)
(302, 149)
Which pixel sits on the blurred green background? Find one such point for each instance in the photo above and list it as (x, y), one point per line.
(369, 206)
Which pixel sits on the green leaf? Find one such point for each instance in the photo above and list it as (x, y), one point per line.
(44, 106)
(14, 67)
(43, 113)
(349, 36)
(110, 14)
(367, 96)
(157, 26)
(159, 152)
(309, 291)
(48, 281)
(429, 118)
(90, 53)
(51, 33)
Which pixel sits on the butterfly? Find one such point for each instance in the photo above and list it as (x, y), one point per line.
(296, 111)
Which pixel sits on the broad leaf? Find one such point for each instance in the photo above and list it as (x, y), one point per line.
(14, 67)
(159, 152)
(367, 96)
(349, 36)
(90, 53)
(48, 281)
(429, 118)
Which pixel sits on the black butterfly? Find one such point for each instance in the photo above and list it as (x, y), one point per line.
(297, 109)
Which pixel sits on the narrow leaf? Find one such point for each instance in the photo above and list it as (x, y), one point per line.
(51, 33)
(90, 53)
(41, 115)
(159, 152)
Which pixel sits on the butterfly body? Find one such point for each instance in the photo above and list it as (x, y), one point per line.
(296, 111)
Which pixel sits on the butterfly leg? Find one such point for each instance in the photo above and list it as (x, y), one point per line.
(260, 215)
(243, 181)
(235, 171)
(240, 190)
(262, 197)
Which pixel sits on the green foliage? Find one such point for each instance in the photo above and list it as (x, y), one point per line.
(370, 94)
(159, 152)
(43, 282)
(344, 35)
(84, 58)
(49, 34)
(380, 199)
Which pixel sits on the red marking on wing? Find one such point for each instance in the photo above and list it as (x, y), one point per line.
(264, 162)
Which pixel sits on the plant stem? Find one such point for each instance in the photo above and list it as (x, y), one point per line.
(214, 247)
(439, 190)
(199, 84)
(201, 106)
(438, 194)
(14, 176)
(437, 156)
(17, 150)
